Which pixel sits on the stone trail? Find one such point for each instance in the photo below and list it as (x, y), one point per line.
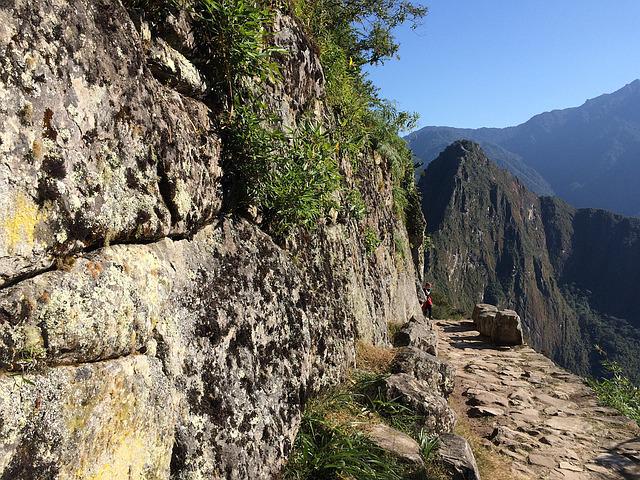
(543, 418)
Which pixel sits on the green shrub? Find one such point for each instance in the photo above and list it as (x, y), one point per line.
(371, 239)
(350, 35)
(354, 205)
(292, 178)
(367, 391)
(400, 245)
(429, 444)
(618, 392)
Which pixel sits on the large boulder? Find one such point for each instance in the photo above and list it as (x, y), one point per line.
(482, 308)
(456, 457)
(507, 328)
(424, 367)
(486, 319)
(417, 333)
(422, 398)
(502, 326)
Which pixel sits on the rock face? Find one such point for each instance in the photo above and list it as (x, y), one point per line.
(142, 334)
(568, 273)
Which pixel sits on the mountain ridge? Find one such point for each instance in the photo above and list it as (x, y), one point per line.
(587, 155)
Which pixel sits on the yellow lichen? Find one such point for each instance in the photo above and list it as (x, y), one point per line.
(19, 224)
(127, 461)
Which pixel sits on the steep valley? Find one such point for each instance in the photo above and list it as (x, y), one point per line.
(571, 273)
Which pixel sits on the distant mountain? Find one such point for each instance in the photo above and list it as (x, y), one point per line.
(572, 274)
(588, 155)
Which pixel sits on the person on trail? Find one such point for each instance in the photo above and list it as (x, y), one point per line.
(427, 306)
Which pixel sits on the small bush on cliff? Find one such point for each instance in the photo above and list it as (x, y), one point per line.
(291, 177)
(618, 392)
(371, 239)
(350, 35)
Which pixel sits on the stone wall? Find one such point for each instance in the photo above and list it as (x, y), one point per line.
(145, 333)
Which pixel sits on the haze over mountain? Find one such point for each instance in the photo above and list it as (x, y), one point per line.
(572, 274)
(587, 155)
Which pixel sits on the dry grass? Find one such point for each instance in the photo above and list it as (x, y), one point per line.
(491, 464)
(374, 359)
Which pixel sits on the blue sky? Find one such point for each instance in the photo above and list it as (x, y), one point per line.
(496, 63)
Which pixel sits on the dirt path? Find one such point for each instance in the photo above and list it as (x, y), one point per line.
(546, 420)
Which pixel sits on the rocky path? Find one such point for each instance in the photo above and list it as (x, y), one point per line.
(546, 420)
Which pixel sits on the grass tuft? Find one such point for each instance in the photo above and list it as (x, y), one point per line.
(618, 392)
(331, 443)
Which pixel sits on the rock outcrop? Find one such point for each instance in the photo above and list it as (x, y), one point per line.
(396, 443)
(417, 333)
(569, 273)
(503, 327)
(455, 454)
(143, 332)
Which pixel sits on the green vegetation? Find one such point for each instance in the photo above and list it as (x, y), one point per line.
(292, 177)
(618, 392)
(324, 450)
(355, 205)
(443, 309)
(331, 443)
(400, 245)
(428, 444)
(371, 239)
(614, 337)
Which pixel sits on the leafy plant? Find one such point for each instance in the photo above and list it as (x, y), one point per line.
(400, 245)
(330, 443)
(232, 39)
(618, 392)
(363, 28)
(355, 205)
(291, 177)
(368, 393)
(371, 239)
(429, 444)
